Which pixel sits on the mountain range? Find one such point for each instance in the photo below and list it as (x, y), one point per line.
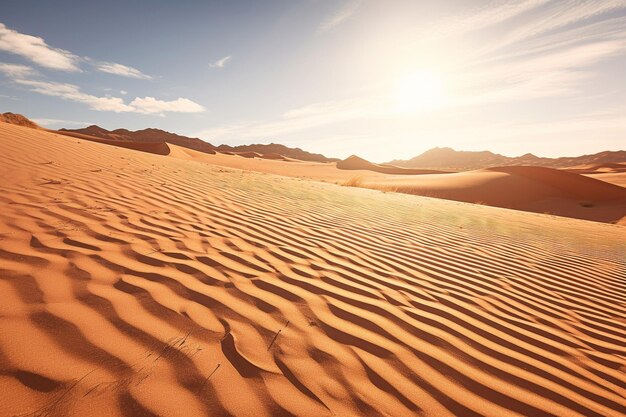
(450, 159)
(441, 159)
(157, 135)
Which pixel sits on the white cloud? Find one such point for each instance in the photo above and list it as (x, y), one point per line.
(551, 68)
(22, 75)
(58, 122)
(16, 70)
(146, 105)
(121, 70)
(150, 105)
(534, 49)
(72, 92)
(549, 74)
(8, 97)
(221, 63)
(37, 50)
(553, 17)
(347, 10)
(123, 92)
(482, 18)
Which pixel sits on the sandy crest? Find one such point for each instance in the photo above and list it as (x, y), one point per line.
(134, 284)
(600, 197)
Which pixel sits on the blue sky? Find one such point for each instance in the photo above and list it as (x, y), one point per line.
(380, 79)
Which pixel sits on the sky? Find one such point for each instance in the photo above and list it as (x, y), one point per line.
(381, 79)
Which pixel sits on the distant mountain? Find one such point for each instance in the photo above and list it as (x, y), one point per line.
(277, 149)
(449, 159)
(18, 119)
(354, 162)
(157, 135)
(145, 135)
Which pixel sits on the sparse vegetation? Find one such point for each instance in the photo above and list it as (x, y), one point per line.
(354, 182)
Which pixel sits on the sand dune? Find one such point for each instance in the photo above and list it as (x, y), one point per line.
(355, 163)
(614, 173)
(618, 178)
(527, 188)
(134, 284)
(163, 148)
(158, 148)
(19, 120)
(535, 189)
(599, 168)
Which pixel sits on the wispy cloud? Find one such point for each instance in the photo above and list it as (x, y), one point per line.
(37, 50)
(121, 70)
(221, 63)
(27, 77)
(558, 57)
(150, 105)
(307, 117)
(553, 73)
(145, 105)
(58, 122)
(481, 18)
(533, 49)
(73, 93)
(345, 12)
(550, 17)
(16, 70)
(607, 124)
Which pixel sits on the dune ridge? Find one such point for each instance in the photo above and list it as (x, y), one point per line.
(157, 147)
(18, 119)
(355, 163)
(134, 284)
(527, 188)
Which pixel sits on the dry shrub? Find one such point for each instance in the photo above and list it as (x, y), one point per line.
(354, 182)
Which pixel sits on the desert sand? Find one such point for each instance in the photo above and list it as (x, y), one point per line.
(137, 284)
(613, 173)
(590, 195)
(591, 192)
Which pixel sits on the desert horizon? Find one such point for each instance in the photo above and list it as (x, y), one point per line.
(313, 208)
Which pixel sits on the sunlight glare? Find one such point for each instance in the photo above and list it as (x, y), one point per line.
(418, 92)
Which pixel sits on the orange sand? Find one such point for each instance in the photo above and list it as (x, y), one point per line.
(535, 189)
(134, 284)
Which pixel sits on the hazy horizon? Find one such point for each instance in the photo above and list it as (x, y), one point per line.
(332, 77)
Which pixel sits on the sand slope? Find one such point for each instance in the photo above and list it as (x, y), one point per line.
(598, 197)
(535, 189)
(158, 148)
(134, 284)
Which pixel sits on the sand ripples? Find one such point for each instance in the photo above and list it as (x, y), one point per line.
(133, 284)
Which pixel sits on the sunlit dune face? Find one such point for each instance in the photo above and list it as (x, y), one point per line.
(418, 92)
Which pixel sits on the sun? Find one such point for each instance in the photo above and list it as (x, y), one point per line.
(418, 92)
